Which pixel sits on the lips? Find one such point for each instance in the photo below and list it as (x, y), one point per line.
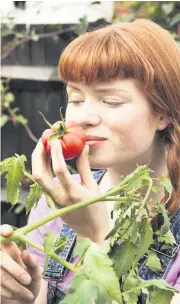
(94, 141)
(94, 138)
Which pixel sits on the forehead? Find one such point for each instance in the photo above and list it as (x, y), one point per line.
(123, 85)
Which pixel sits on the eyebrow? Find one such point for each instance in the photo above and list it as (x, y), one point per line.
(102, 90)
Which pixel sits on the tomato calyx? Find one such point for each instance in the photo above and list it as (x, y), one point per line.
(59, 131)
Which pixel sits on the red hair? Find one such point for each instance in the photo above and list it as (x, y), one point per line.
(143, 51)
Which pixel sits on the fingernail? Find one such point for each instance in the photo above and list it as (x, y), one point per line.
(25, 279)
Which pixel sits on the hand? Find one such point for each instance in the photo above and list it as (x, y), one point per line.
(92, 221)
(20, 272)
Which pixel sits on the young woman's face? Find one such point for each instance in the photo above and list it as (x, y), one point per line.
(121, 116)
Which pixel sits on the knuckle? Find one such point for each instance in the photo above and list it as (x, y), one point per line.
(37, 177)
(59, 170)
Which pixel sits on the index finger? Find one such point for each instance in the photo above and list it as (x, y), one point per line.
(59, 166)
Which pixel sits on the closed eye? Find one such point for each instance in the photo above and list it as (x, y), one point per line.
(113, 104)
(76, 102)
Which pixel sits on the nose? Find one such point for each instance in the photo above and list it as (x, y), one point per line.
(85, 116)
(87, 120)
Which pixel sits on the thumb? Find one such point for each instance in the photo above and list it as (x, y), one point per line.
(6, 230)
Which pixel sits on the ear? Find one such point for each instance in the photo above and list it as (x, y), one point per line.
(162, 123)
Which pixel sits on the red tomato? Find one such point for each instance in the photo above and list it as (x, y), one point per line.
(72, 140)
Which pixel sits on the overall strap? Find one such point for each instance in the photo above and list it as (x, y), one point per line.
(55, 271)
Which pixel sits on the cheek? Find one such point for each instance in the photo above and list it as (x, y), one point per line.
(69, 113)
(134, 129)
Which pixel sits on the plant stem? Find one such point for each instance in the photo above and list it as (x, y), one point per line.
(23, 238)
(60, 212)
(50, 202)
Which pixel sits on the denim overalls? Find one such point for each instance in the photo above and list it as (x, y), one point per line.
(55, 272)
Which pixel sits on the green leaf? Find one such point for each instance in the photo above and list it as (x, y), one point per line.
(160, 284)
(161, 296)
(132, 281)
(168, 8)
(84, 291)
(14, 166)
(166, 225)
(9, 97)
(21, 119)
(52, 242)
(49, 241)
(59, 244)
(3, 120)
(166, 183)
(82, 245)
(131, 298)
(155, 189)
(35, 37)
(153, 262)
(102, 271)
(175, 20)
(137, 178)
(167, 238)
(127, 254)
(15, 110)
(33, 197)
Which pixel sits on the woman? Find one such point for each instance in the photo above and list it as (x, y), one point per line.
(123, 90)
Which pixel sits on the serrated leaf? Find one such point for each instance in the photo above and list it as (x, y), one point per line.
(82, 245)
(127, 254)
(53, 242)
(84, 291)
(3, 120)
(161, 296)
(132, 281)
(166, 225)
(50, 238)
(137, 178)
(102, 271)
(167, 238)
(131, 298)
(14, 166)
(153, 262)
(166, 183)
(157, 284)
(5, 164)
(59, 244)
(33, 197)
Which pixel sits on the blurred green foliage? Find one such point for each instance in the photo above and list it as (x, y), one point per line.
(164, 13)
